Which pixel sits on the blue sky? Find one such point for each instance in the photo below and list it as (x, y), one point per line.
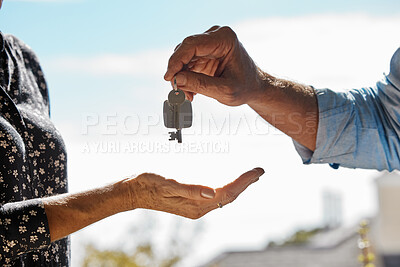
(82, 27)
(79, 28)
(109, 57)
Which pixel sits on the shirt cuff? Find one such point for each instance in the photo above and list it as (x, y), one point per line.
(23, 227)
(333, 107)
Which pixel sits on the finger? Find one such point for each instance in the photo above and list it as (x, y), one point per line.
(214, 68)
(213, 28)
(200, 60)
(181, 56)
(231, 191)
(199, 45)
(189, 95)
(191, 64)
(210, 68)
(199, 67)
(189, 191)
(200, 83)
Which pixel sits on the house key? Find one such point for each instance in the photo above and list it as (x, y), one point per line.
(177, 113)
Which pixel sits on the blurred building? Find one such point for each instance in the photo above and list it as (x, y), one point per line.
(332, 209)
(386, 234)
(329, 248)
(335, 245)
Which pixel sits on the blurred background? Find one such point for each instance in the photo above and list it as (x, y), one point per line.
(104, 62)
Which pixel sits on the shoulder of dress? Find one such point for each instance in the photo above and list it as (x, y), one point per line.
(18, 44)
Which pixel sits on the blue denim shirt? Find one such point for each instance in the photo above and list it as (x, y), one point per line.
(359, 128)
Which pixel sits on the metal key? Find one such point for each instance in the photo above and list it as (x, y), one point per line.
(177, 113)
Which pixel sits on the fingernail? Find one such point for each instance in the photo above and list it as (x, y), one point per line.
(207, 193)
(180, 79)
(260, 171)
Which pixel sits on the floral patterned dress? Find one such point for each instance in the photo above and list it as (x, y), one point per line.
(32, 161)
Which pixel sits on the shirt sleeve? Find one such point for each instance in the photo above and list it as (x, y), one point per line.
(23, 227)
(358, 128)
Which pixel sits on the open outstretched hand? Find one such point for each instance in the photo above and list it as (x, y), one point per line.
(151, 191)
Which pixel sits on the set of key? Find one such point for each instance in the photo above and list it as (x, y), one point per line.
(177, 113)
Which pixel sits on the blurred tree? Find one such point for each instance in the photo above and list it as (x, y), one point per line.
(141, 257)
(139, 246)
(298, 238)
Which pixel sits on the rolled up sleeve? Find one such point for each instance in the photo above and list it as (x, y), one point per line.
(23, 227)
(358, 128)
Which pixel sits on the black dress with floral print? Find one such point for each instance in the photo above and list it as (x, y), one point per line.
(32, 161)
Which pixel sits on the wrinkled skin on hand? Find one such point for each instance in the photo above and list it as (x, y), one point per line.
(215, 64)
(151, 191)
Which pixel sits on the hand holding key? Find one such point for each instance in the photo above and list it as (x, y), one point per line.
(177, 113)
(215, 64)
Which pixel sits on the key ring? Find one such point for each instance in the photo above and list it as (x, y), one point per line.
(175, 86)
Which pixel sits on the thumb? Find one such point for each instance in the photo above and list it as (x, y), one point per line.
(200, 83)
(195, 192)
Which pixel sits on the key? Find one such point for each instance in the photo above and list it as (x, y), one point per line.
(177, 113)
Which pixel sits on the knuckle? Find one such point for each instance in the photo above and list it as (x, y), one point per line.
(150, 178)
(228, 31)
(189, 40)
(146, 174)
(215, 27)
(141, 178)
